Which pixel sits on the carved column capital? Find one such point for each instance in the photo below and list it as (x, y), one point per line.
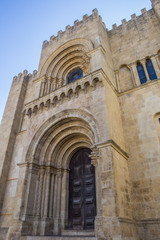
(48, 171)
(44, 80)
(41, 171)
(94, 157)
(59, 174)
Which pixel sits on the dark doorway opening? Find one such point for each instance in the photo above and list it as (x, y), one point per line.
(82, 192)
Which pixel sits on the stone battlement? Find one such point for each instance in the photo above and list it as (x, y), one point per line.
(70, 29)
(134, 18)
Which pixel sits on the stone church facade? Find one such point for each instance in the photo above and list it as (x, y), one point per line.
(80, 137)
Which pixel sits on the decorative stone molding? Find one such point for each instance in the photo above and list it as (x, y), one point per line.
(94, 157)
(66, 92)
(86, 64)
(113, 145)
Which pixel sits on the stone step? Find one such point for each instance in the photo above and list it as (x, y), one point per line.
(89, 233)
(58, 238)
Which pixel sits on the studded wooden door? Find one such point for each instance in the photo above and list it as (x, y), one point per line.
(82, 197)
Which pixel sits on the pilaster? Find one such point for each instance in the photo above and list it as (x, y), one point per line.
(57, 205)
(117, 80)
(135, 76)
(110, 162)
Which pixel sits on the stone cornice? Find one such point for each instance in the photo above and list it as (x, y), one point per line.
(145, 85)
(148, 221)
(33, 165)
(115, 146)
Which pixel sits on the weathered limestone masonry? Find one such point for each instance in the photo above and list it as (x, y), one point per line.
(95, 91)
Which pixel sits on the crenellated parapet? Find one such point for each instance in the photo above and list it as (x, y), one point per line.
(70, 29)
(134, 18)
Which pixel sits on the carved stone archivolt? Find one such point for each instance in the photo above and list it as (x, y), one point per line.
(48, 161)
(70, 56)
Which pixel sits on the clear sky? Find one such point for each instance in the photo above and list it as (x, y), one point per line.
(25, 24)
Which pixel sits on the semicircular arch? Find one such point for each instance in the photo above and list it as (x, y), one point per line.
(88, 130)
(80, 44)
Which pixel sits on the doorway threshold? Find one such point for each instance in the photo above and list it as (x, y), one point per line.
(73, 232)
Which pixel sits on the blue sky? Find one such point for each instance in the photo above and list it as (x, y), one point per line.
(25, 24)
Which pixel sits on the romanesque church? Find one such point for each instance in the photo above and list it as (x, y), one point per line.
(80, 137)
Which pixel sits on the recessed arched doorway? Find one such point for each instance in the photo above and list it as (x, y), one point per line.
(82, 191)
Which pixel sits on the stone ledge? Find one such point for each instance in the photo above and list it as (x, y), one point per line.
(57, 238)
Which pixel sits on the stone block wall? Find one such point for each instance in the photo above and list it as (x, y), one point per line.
(115, 116)
(142, 145)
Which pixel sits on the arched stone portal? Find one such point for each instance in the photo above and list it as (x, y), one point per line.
(46, 194)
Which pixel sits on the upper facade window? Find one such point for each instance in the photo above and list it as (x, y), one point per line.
(141, 73)
(150, 69)
(74, 75)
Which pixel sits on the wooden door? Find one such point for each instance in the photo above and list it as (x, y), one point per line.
(82, 197)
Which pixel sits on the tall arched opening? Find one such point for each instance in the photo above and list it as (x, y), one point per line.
(49, 162)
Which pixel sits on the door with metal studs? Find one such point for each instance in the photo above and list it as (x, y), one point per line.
(82, 192)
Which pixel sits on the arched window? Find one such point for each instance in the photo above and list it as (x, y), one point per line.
(150, 69)
(74, 75)
(141, 73)
(125, 78)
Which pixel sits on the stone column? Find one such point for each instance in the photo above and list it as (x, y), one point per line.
(132, 74)
(64, 198)
(55, 195)
(46, 87)
(134, 71)
(46, 227)
(54, 84)
(158, 60)
(42, 89)
(50, 85)
(36, 198)
(41, 179)
(43, 195)
(29, 175)
(30, 198)
(95, 161)
(143, 62)
(57, 221)
(47, 190)
(156, 67)
(51, 195)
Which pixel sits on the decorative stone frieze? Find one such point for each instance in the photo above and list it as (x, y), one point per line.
(67, 92)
